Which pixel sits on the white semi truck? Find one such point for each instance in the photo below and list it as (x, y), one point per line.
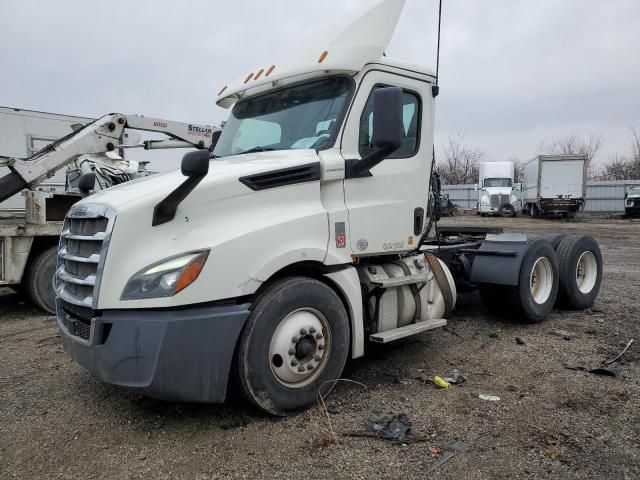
(303, 235)
(496, 190)
(64, 153)
(555, 185)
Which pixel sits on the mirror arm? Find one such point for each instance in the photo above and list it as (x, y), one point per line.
(362, 168)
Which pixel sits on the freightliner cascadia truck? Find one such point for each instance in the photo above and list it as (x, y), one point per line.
(300, 238)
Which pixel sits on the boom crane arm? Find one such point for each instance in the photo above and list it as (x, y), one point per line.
(99, 137)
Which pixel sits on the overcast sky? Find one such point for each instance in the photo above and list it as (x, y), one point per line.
(512, 73)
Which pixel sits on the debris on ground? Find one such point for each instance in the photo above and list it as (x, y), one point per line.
(520, 341)
(619, 356)
(333, 408)
(564, 334)
(440, 382)
(434, 451)
(606, 371)
(403, 381)
(450, 451)
(455, 377)
(424, 376)
(494, 335)
(389, 425)
(489, 398)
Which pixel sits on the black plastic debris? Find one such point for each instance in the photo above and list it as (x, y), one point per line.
(455, 377)
(389, 425)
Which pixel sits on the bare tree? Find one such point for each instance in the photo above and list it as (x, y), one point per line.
(458, 163)
(574, 144)
(626, 166)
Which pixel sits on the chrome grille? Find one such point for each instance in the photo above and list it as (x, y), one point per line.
(83, 246)
(498, 199)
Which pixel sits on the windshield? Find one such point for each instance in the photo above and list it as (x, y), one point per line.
(635, 190)
(497, 182)
(300, 116)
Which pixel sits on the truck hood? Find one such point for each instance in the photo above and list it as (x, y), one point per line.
(221, 181)
(497, 190)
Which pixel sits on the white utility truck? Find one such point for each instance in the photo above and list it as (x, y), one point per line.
(496, 190)
(301, 237)
(555, 185)
(84, 158)
(24, 132)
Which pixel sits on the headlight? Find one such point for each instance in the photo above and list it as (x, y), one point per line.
(165, 278)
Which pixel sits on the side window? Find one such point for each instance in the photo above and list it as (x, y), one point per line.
(253, 133)
(411, 120)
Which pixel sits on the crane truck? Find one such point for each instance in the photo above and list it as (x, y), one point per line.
(299, 239)
(90, 154)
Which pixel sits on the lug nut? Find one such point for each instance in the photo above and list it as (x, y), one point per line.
(295, 339)
(318, 336)
(291, 351)
(312, 330)
(309, 367)
(321, 346)
(317, 358)
(301, 369)
(303, 331)
(293, 363)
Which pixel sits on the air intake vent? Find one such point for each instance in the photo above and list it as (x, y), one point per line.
(282, 177)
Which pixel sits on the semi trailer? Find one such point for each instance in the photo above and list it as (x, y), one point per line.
(496, 190)
(67, 158)
(300, 239)
(555, 185)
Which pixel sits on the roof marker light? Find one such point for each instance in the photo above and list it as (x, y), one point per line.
(221, 91)
(248, 77)
(323, 55)
(271, 69)
(258, 73)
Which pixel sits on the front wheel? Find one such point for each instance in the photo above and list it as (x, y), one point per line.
(294, 345)
(40, 278)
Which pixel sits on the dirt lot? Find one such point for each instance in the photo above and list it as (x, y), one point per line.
(57, 421)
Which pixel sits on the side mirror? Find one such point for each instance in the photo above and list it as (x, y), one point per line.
(388, 131)
(86, 183)
(388, 127)
(196, 164)
(476, 187)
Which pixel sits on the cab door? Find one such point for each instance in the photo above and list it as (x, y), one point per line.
(387, 210)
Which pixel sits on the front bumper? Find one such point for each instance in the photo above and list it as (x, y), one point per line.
(632, 209)
(180, 355)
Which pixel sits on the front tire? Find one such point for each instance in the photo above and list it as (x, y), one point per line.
(294, 345)
(39, 280)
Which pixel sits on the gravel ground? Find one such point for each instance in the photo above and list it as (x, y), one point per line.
(57, 421)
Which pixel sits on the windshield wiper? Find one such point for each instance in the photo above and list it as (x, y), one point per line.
(256, 149)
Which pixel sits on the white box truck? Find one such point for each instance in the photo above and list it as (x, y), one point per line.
(555, 185)
(496, 191)
(300, 236)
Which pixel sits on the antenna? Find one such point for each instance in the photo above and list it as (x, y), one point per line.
(438, 47)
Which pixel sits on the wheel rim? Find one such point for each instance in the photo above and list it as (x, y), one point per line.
(541, 280)
(586, 272)
(300, 347)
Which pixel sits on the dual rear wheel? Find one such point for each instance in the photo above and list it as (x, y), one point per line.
(556, 270)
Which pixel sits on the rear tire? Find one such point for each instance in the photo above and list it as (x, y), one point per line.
(294, 345)
(39, 279)
(533, 298)
(554, 239)
(580, 263)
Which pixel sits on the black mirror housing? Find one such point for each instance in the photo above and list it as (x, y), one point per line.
(196, 164)
(388, 128)
(388, 131)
